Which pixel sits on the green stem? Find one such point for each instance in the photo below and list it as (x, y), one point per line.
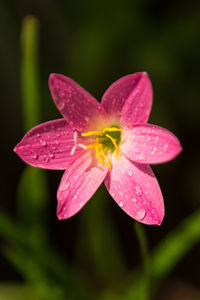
(30, 73)
(143, 243)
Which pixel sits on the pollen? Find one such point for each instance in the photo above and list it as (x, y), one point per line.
(105, 141)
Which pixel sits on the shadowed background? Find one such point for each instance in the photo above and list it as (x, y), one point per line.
(95, 43)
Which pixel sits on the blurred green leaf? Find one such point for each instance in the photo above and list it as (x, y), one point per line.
(8, 228)
(175, 246)
(167, 255)
(99, 240)
(144, 287)
(32, 203)
(29, 292)
(33, 188)
(30, 72)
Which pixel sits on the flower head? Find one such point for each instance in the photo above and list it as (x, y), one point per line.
(109, 142)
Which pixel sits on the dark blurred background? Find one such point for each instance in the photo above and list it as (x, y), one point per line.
(95, 43)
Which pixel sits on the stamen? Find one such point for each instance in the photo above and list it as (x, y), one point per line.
(92, 133)
(82, 146)
(75, 137)
(73, 150)
(101, 156)
(114, 143)
(98, 155)
(111, 129)
(105, 157)
(91, 146)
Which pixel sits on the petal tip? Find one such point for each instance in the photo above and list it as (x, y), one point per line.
(53, 77)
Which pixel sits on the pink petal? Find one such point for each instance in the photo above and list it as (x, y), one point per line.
(76, 105)
(130, 98)
(136, 190)
(150, 144)
(49, 145)
(78, 184)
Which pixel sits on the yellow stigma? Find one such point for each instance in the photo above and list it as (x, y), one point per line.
(105, 141)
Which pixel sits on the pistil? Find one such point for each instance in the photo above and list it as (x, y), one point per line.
(104, 140)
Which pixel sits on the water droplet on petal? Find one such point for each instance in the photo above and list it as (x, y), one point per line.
(46, 159)
(139, 157)
(138, 190)
(43, 142)
(140, 214)
(51, 155)
(61, 105)
(56, 142)
(165, 147)
(64, 187)
(121, 204)
(134, 200)
(122, 171)
(130, 173)
(35, 156)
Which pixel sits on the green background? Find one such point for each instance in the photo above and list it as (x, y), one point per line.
(99, 253)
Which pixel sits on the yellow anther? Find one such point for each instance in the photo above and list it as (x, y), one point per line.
(96, 132)
(114, 143)
(111, 129)
(101, 134)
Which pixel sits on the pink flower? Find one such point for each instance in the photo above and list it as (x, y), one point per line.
(110, 141)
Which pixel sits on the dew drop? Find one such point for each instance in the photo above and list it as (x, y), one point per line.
(165, 147)
(46, 159)
(43, 142)
(56, 142)
(140, 214)
(122, 171)
(138, 190)
(51, 155)
(64, 187)
(121, 204)
(61, 105)
(35, 156)
(139, 157)
(134, 200)
(130, 173)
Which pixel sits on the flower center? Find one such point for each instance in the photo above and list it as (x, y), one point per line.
(105, 141)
